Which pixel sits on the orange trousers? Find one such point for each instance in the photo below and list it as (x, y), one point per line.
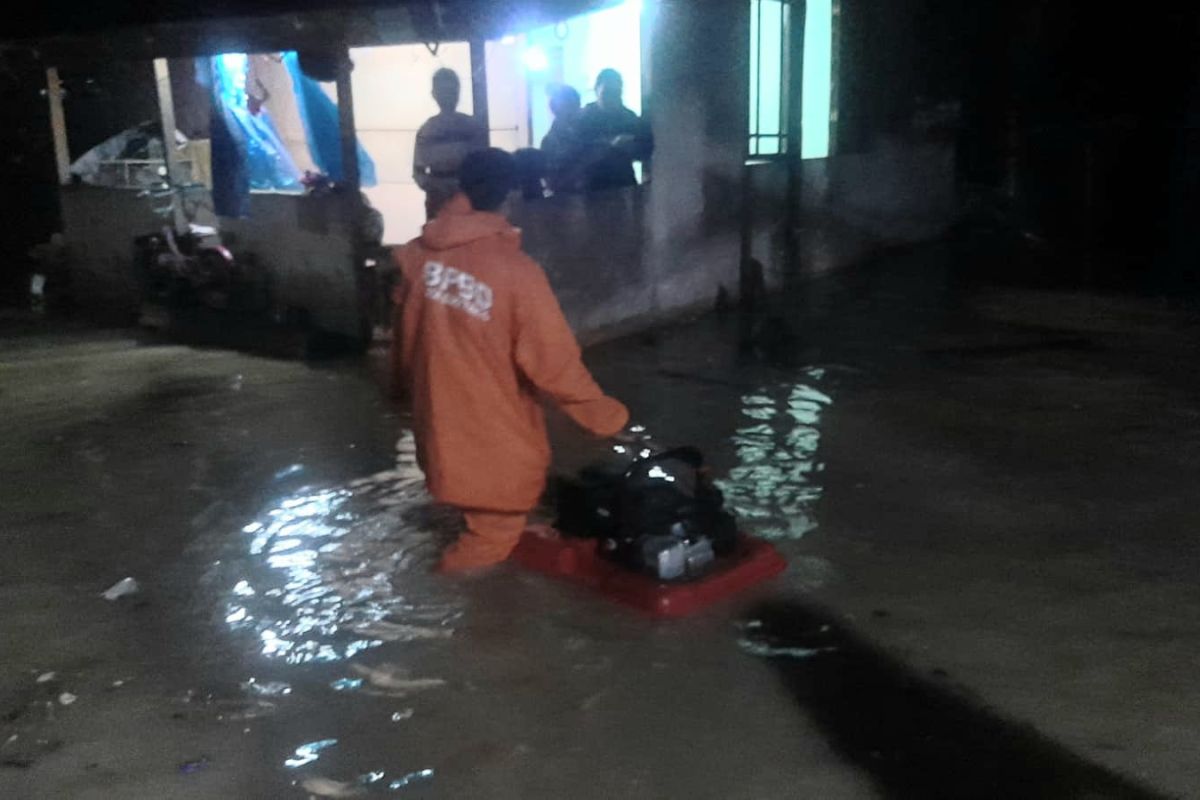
(489, 538)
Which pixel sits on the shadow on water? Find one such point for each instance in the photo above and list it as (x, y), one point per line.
(916, 736)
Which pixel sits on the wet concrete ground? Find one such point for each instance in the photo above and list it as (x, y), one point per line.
(985, 497)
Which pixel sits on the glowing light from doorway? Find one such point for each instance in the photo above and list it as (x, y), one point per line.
(535, 59)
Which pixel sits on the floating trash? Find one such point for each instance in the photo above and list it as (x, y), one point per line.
(122, 588)
(410, 779)
(188, 767)
(268, 688)
(324, 787)
(308, 753)
(392, 678)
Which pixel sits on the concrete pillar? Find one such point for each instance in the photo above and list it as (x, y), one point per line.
(479, 92)
(349, 135)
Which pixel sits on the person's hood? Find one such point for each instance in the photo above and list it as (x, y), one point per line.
(458, 224)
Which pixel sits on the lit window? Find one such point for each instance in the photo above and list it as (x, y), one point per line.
(768, 77)
(818, 79)
(769, 90)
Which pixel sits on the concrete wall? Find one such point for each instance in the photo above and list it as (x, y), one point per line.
(593, 250)
(622, 258)
(306, 245)
(99, 226)
(853, 206)
(303, 243)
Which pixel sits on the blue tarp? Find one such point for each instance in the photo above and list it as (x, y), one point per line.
(320, 117)
(246, 150)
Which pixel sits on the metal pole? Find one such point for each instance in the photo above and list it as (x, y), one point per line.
(166, 111)
(58, 126)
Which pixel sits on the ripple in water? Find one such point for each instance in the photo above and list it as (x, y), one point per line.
(335, 571)
(774, 488)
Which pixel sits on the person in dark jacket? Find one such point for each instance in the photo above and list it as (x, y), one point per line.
(564, 149)
(614, 136)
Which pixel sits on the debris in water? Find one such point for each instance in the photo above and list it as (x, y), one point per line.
(122, 588)
(323, 787)
(393, 632)
(66, 698)
(346, 684)
(267, 689)
(240, 712)
(411, 778)
(401, 716)
(46, 677)
(308, 753)
(395, 679)
(188, 767)
(287, 472)
(764, 650)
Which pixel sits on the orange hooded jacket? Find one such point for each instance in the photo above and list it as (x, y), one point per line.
(479, 339)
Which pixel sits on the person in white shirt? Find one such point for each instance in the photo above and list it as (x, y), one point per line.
(443, 142)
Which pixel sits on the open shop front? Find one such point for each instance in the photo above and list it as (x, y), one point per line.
(267, 132)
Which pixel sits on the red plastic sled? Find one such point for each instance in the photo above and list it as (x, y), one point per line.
(543, 549)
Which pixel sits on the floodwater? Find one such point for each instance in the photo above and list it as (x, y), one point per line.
(965, 613)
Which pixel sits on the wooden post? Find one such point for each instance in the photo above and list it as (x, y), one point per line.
(166, 111)
(58, 126)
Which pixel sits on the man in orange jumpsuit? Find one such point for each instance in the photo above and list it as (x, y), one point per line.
(479, 342)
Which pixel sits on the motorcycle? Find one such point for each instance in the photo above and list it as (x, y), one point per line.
(185, 268)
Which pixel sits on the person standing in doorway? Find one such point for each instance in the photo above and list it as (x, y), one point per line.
(443, 142)
(563, 148)
(614, 135)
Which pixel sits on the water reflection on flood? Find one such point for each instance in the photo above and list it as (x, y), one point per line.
(336, 571)
(775, 486)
